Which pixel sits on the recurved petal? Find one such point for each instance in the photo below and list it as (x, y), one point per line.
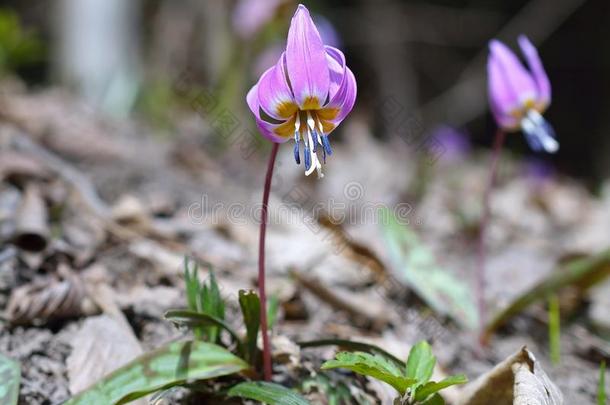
(274, 131)
(306, 62)
(535, 64)
(336, 69)
(514, 73)
(252, 100)
(278, 133)
(274, 95)
(341, 104)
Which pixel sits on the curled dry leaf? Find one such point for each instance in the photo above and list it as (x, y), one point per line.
(518, 380)
(31, 224)
(18, 167)
(46, 299)
(102, 345)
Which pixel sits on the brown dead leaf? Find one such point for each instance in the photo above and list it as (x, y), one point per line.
(518, 380)
(49, 298)
(31, 223)
(102, 345)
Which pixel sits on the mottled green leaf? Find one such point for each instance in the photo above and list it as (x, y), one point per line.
(10, 377)
(421, 361)
(375, 366)
(174, 364)
(414, 264)
(250, 307)
(432, 387)
(268, 393)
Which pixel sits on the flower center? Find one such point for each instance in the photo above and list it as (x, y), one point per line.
(308, 129)
(539, 133)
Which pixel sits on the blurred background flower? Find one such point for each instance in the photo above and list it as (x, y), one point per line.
(519, 97)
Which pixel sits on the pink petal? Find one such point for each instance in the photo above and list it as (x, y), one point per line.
(345, 98)
(251, 15)
(336, 68)
(266, 128)
(306, 62)
(502, 98)
(533, 61)
(513, 73)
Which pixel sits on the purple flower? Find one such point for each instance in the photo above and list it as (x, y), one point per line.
(305, 95)
(454, 143)
(250, 16)
(518, 96)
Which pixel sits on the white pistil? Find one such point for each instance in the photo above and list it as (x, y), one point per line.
(320, 131)
(311, 123)
(535, 125)
(297, 124)
(315, 163)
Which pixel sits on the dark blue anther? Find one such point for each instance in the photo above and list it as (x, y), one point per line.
(307, 158)
(314, 147)
(297, 157)
(326, 145)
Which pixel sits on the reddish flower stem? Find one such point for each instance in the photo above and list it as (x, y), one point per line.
(261, 264)
(480, 274)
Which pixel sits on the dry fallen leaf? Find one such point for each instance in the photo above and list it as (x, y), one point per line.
(102, 345)
(518, 380)
(47, 299)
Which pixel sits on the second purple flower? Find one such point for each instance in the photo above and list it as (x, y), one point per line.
(306, 95)
(518, 97)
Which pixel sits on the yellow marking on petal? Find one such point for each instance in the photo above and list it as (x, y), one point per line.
(286, 130)
(517, 113)
(311, 103)
(329, 113)
(286, 109)
(327, 126)
(529, 103)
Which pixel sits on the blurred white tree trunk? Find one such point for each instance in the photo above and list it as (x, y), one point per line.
(97, 50)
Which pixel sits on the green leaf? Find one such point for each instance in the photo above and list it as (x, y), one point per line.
(424, 391)
(583, 273)
(192, 284)
(10, 377)
(335, 392)
(268, 393)
(601, 390)
(211, 303)
(415, 265)
(421, 361)
(352, 346)
(273, 307)
(554, 329)
(251, 310)
(196, 319)
(174, 364)
(374, 366)
(433, 400)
